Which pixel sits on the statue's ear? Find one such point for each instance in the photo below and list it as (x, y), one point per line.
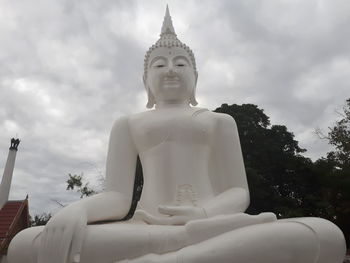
(150, 98)
(196, 77)
(193, 100)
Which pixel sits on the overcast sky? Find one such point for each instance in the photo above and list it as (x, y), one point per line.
(68, 69)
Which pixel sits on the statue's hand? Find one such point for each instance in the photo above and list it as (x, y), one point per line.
(189, 212)
(62, 237)
(173, 215)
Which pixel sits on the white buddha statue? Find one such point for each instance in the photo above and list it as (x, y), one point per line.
(194, 195)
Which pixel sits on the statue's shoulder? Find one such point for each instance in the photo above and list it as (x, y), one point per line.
(137, 117)
(196, 111)
(213, 116)
(121, 123)
(127, 124)
(223, 119)
(123, 120)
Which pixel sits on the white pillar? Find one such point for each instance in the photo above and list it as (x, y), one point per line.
(8, 171)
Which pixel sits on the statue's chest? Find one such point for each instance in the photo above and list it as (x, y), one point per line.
(157, 129)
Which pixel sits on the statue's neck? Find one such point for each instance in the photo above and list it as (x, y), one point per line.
(171, 105)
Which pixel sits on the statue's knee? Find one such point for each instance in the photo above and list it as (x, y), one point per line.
(331, 239)
(27, 243)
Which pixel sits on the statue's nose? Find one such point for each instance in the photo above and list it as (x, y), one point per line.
(171, 69)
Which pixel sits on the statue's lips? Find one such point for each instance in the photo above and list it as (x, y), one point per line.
(171, 82)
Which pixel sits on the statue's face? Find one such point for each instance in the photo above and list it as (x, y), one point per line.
(171, 77)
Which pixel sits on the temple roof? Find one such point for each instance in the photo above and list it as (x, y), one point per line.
(14, 217)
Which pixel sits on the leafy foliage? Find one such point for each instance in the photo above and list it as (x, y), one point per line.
(334, 170)
(76, 182)
(284, 181)
(273, 162)
(40, 220)
(339, 136)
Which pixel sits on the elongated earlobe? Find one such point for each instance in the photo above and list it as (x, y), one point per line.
(151, 101)
(150, 98)
(193, 100)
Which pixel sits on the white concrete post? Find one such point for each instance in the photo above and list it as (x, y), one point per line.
(8, 171)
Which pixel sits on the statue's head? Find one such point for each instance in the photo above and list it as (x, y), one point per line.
(170, 73)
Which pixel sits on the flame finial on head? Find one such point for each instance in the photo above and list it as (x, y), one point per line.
(167, 27)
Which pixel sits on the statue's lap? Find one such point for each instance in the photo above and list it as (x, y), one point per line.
(111, 241)
(132, 239)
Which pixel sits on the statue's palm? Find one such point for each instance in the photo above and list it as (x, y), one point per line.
(174, 215)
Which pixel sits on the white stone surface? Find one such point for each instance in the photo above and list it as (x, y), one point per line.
(195, 190)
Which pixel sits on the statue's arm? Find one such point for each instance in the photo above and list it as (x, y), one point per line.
(67, 228)
(115, 202)
(227, 170)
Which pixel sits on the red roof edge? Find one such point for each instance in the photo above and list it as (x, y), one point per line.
(12, 230)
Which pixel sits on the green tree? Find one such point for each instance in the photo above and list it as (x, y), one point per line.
(39, 220)
(278, 175)
(334, 171)
(339, 137)
(76, 182)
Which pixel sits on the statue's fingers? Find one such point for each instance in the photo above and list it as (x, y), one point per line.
(179, 220)
(54, 245)
(172, 210)
(142, 216)
(50, 254)
(43, 246)
(43, 239)
(150, 219)
(53, 238)
(77, 242)
(158, 221)
(66, 242)
(57, 240)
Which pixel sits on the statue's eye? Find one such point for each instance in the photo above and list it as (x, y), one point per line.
(159, 66)
(180, 65)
